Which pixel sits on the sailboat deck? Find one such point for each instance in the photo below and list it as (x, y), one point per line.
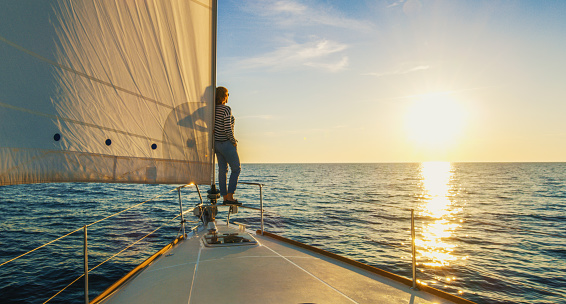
(268, 272)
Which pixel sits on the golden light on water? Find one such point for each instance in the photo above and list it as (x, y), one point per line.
(436, 206)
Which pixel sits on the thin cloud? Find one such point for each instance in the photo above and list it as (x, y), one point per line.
(290, 13)
(440, 93)
(400, 71)
(410, 7)
(332, 67)
(397, 3)
(286, 7)
(321, 54)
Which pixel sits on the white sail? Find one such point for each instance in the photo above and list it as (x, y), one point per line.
(106, 91)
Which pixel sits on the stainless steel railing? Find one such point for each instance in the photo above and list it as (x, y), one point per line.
(417, 266)
(260, 201)
(85, 241)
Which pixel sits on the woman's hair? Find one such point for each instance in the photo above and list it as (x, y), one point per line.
(221, 93)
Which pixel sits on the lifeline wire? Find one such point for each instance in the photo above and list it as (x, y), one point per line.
(57, 239)
(472, 267)
(111, 257)
(408, 209)
(40, 247)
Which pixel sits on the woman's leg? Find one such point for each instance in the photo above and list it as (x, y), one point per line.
(231, 156)
(227, 154)
(222, 168)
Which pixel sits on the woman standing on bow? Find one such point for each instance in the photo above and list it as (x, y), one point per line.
(225, 147)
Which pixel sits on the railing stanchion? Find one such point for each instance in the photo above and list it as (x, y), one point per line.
(261, 205)
(199, 195)
(182, 217)
(86, 264)
(414, 250)
(260, 201)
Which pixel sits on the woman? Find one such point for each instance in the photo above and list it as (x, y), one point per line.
(225, 147)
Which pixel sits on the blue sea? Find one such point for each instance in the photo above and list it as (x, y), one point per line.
(487, 232)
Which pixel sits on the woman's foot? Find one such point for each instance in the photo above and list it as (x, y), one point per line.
(229, 200)
(232, 202)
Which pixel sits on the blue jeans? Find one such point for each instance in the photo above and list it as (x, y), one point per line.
(227, 154)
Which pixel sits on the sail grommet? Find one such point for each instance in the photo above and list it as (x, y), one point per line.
(153, 146)
(108, 142)
(57, 137)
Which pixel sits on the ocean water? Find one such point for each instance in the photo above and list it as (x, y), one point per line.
(488, 232)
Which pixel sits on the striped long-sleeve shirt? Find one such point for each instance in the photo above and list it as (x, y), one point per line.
(224, 124)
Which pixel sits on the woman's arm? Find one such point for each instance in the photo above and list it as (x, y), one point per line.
(227, 126)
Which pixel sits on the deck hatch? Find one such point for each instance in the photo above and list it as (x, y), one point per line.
(228, 239)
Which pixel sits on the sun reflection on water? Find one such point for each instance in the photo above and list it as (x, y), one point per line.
(436, 208)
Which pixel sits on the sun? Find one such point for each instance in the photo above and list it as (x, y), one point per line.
(435, 120)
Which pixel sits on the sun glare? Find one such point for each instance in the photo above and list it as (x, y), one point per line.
(435, 120)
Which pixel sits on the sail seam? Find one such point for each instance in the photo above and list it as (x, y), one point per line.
(51, 116)
(29, 161)
(109, 155)
(46, 153)
(106, 83)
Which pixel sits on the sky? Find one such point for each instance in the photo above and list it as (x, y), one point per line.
(370, 81)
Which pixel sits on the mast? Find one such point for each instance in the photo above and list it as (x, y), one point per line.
(213, 41)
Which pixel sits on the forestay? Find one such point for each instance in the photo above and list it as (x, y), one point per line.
(106, 91)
